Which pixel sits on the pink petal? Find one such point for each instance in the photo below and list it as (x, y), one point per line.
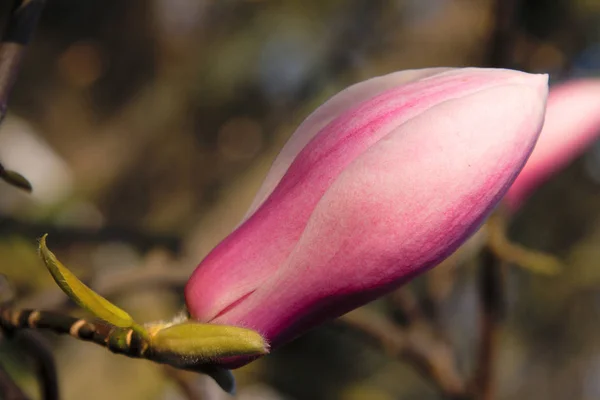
(572, 123)
(257, 250)
(399, 208)
(341, 102)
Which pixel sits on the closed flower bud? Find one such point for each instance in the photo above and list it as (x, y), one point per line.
(378, 185)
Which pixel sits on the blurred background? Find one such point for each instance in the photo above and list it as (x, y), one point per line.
(146, 126)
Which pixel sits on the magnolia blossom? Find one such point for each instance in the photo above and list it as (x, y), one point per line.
(379, 184)
(572, 123)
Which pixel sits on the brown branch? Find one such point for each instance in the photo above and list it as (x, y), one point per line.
(407, 303)
(503, 36)
(492, 300)
(417, 344)
(8, 388)
(157, 270)
(19, 31)
(491, 284)
(143, 241)
(125, 341)
(40, 354)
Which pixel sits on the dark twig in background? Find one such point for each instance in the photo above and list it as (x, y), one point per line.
(432, 357)
(503, 35)
(491, 295)
(155, 271)
(491, 285)
(40, 354)
(20, 26)
(141, 240)
(406, 302)
(19, 31)
(8, 388)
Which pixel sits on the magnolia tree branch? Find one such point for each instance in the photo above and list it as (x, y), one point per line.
(416, 344)
(125, 341)
(156, 271)
(503, 34)
(409, 305)
(36, 348)
(33, 346)
(491, 284)
(492, 300)
(19, 31)
(8, 388)
(142, 241)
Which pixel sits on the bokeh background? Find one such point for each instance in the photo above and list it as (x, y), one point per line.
(146, 126)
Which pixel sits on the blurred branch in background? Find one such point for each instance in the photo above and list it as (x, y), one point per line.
(8, 388)
(492, 305)
(416, 344)
(40, 355)
(19, 31)
(141, 240)
(491, 281)
(21, 24)
(503, 34)
(157, 270)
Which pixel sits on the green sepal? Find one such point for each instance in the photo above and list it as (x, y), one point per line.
(81, 294)
(206, 342)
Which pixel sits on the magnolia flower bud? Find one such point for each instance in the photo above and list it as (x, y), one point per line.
(378, 185)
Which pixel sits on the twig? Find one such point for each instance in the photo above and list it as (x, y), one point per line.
(432, 357)
(8, 388)
(40, 354)
(20, 28)
(10, 226)
(407, 303)
(34, 346)
(12, 320)
(151, 274)
(491, 285)
(503, 35)
(491, 295)
(126, 341)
